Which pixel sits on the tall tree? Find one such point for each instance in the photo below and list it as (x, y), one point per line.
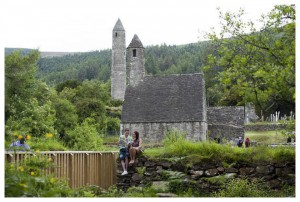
(255, 64)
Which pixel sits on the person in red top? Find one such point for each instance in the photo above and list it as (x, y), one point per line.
(247, 142)
(136, 146)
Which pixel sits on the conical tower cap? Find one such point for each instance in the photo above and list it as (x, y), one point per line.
(118, 26)
(135, 42)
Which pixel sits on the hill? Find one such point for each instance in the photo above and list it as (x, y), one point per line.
(45, 54)
(57, 67)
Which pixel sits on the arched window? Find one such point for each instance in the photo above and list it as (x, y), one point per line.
(116, 34)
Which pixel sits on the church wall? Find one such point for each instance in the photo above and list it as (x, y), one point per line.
(155, 132)
(226, 122)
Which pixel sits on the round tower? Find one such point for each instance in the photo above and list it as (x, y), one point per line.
(135, 61)
(118, 65)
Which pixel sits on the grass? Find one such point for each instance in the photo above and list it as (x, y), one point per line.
(176, 147)
(266, 137)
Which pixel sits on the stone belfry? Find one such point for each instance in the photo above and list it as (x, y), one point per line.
(118, 65)
(135, 61)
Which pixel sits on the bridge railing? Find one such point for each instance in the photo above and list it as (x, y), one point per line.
(79, 168)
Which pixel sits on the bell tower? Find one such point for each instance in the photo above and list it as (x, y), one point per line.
(118, 65)
(135, 61)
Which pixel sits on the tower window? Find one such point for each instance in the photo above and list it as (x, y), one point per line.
(116, 34)
(134, 53)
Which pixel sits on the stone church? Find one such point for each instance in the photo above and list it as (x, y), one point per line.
(156, 104)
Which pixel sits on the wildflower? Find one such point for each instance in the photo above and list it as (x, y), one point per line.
(49, 135)
(32, 173)
(15, 133)
(28, 137)
(20, 168)
(52, 180)
(23, 185)
(20, 137)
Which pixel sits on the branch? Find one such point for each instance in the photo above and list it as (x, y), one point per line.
(261, 47)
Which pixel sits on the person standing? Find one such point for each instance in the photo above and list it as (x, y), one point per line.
(240, 142)
(247, 142)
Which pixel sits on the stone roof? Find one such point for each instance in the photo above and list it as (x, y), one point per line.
(135, 42)
(118, 26)
(171, 98)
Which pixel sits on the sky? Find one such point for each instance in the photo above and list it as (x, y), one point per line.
(86, 25)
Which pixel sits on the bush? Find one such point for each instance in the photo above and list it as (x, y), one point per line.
(85, 137)
(26, 179)
(48, 143)
(244, 188)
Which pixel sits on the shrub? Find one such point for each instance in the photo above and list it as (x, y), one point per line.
(243, 188)
(26, 179)
(85, 137)
(47, 144)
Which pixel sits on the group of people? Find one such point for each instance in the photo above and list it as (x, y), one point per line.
(129, 146)
(240, 142)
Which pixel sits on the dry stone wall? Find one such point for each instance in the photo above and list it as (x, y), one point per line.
(159, 172)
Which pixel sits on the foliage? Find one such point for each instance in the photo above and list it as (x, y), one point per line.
(255, 67)
(67, 84)
(27, 107)
(244, 188)
(66, 116)
(184, 188)
(85, 137)
(189, 153)
(27, 179)
(47, 144)
(266, 137)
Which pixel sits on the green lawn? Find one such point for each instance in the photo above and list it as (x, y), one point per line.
(266, 137)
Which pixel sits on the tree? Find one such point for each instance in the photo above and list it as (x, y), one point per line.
(19, 81)
(255, 65)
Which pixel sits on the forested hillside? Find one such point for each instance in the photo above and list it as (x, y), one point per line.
(161, 59)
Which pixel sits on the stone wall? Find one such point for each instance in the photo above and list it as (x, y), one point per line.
(155, 132)
(135, 66)
(225, 122)
(265, 127)
(204, 175)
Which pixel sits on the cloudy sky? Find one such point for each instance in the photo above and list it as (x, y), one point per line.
(86, 25)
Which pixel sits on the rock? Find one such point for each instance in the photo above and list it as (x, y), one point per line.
(264, 169)
(147, 174)
(274, 183)
(246, 170)
(136, 177)
(220, 169)
(166, 165)
(166, 195)
(284, 171)
(231, 170)
(211, 172)
(159, 168)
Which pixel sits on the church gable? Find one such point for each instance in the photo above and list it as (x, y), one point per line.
(170, 98)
